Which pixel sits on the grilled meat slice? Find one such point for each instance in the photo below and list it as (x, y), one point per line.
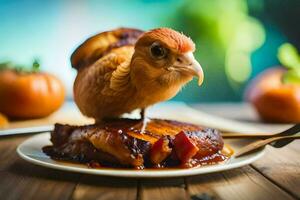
(98, 143)
(120, 142)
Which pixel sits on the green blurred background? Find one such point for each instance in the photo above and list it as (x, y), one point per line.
(235, 39)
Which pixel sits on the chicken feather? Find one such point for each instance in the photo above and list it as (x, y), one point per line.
(125, 69)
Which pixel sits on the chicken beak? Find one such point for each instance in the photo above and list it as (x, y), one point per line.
(197, 70)
(188, 62)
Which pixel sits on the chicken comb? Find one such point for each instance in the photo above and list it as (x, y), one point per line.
(173, 39)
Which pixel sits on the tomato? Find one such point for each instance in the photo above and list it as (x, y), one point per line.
(29, 94)
(160, 150)
(184, 147)
(274, 100)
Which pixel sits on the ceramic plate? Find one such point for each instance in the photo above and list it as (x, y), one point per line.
(31, 150)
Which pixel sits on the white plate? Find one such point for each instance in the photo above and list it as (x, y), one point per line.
(31, 150)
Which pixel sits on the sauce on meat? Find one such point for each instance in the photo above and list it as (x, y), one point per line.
(209, 141)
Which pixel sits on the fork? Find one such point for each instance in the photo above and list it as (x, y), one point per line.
(277, 140)
(261, 143)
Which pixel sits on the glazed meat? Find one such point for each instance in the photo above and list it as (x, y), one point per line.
(122, 143)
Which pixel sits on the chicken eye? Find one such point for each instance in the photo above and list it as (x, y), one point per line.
(158, 51)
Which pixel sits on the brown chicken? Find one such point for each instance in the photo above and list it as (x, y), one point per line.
(127, 69)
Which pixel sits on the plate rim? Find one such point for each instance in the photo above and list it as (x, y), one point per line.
(131, 173)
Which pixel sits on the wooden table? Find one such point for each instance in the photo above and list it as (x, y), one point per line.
(275, 176)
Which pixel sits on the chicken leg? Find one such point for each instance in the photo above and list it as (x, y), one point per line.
(142, 113)
(144, 120)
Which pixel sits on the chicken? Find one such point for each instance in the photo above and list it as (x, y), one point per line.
(127, 69)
